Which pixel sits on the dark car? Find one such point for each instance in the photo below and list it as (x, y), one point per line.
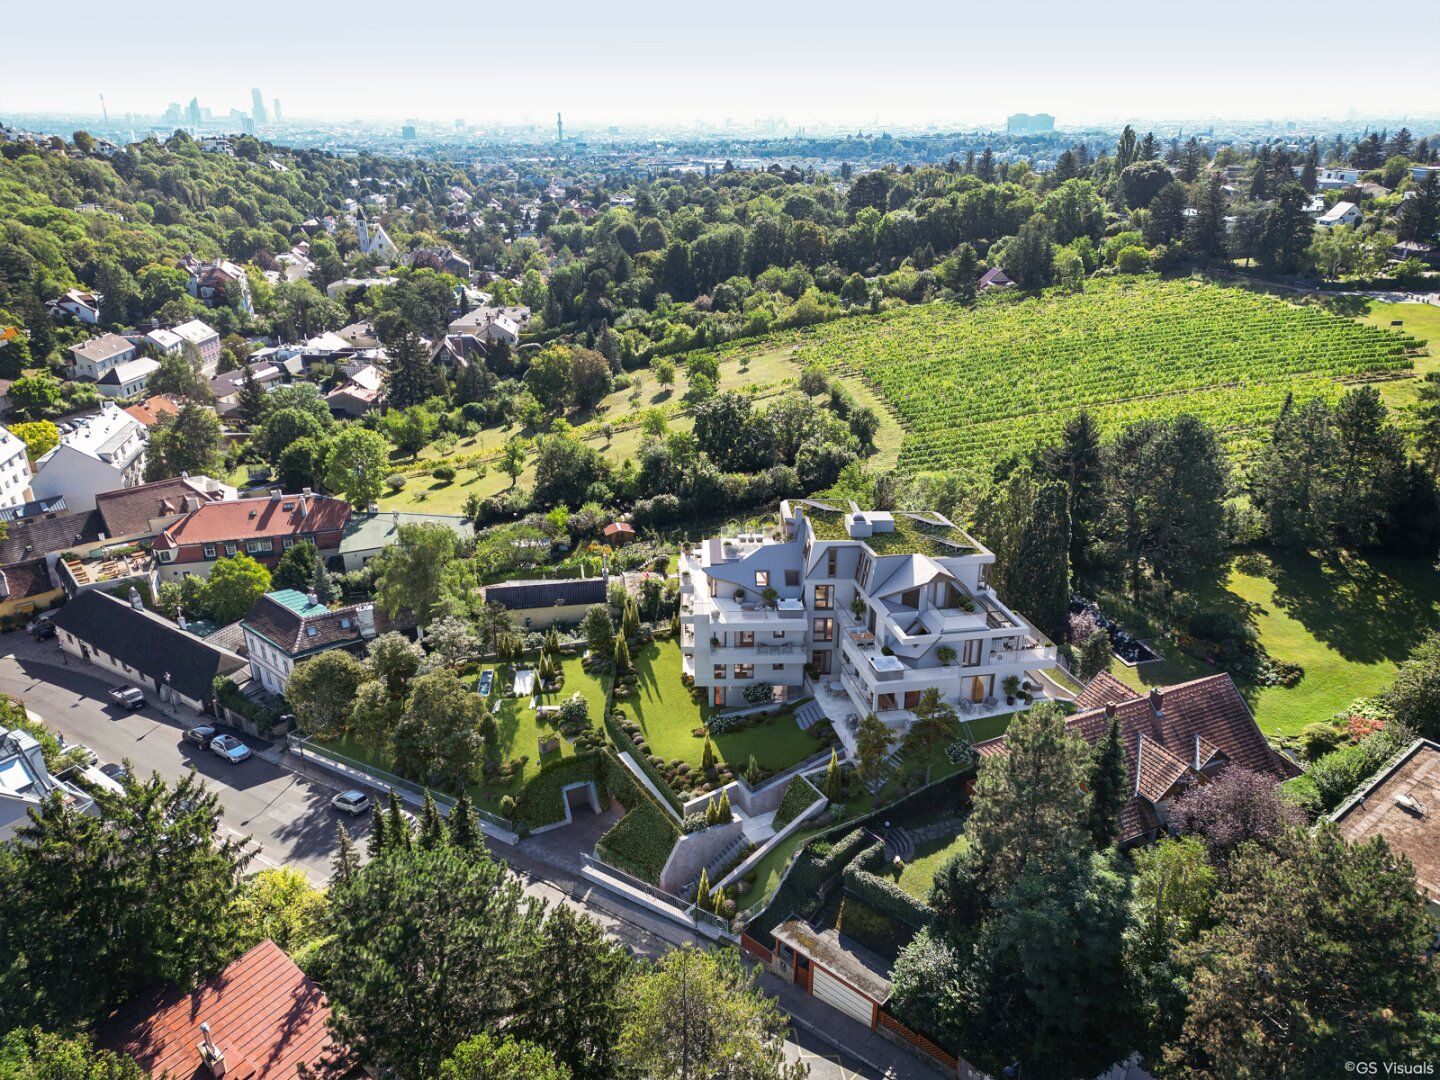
(42, 629)
(131, 697)
(202, 736)
(115, 772)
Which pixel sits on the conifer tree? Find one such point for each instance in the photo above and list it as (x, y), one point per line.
(623, 665)
(752, 772)
(1106, 781)
(432, 825)
(346, 861)
(464, 824)
(378, 841)
(707, 756)
(832, 777)
(702, 890)
(397, 828)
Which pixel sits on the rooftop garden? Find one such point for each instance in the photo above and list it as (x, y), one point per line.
(910, 535)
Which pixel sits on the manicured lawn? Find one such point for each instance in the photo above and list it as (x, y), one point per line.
(519, 736)
(1419, 321)
(1348, 623)
(663, 709)
(578, 679)
(918, 875)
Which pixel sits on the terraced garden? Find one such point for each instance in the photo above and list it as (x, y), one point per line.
(970, 385)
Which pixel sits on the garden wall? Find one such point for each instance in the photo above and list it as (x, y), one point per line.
(694, 851)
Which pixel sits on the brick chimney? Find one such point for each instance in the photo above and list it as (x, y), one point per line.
(1157, 700)
(1109, 710)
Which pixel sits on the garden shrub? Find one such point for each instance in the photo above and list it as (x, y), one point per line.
(640, 842)
(1335, 776)
(758, 693)
(1317, 740)
(443, 473)
(799, 795)
(876, 930)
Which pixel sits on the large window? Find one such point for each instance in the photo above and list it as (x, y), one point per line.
(744, 638)
(744, 671)
(831, 559)
(720, 671)
(824, 630)
(824, 597)
(792, 578)
(762, 579)
(820, 660)
(973, 651)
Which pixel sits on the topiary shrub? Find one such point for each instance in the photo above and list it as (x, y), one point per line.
(443, 473)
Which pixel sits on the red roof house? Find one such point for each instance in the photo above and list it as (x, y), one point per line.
(1174, 737)
(263, 528)
(618, 533)
(262, 1015)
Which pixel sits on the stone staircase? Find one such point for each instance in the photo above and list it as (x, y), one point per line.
(716, 868)
(899, 844)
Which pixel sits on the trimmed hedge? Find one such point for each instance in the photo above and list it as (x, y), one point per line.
(884, 896)
(799, 795)
(641, 841)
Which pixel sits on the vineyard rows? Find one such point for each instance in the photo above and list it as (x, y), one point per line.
(970, 385)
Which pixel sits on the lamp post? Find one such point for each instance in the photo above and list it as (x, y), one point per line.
(169, 693)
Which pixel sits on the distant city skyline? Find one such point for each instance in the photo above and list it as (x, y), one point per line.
(954, 65)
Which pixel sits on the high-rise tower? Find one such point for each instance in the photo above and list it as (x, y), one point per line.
(559, 130)
(257, 106)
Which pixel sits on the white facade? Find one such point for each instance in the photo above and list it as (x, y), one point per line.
(128, 379)
(14, 469)
(25, 782)
(271, 665)
(1342, 213)
(374, 240)
(882, 608)
(94, 358)
(206, 341)
(102, 452)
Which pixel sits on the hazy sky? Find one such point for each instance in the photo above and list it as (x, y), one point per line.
(847, 63)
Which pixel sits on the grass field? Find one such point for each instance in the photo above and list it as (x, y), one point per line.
(665, 713)
(970, 385)
(1348, 623)
(1420, 321)
(919, 874)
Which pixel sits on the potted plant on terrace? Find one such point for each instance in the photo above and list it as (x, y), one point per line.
(945, 654)
(770, 596)
(1012, 687)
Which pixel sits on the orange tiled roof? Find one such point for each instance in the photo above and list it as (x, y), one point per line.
(265, 1015)
(249, 519)
(149, 411)
(1104, 689)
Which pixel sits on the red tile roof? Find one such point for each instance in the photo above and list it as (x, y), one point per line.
(265, 1015)
(1170, 735)
(249, 519)
(154, 407)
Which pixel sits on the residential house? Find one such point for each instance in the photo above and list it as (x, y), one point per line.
(261, 1018)
(457, 351)
(136, 645)
(359, 335)
(6, 405)
(618, 533)
(14, 469)
(1175, 737)
(150, 411)
(165, 342)
(93, 358)
(871, 607)
(226, 387)
(1413, 249)
(994, 278)
(44, 527)
(1337, 178)
(374, 240)
(26, 781)
(26, 587)
(77, 304)
(288, 627)
(1402, 806)
(336, 288)
(444, 259)
(358, 394)
(100, 452)
(113, 567)
(264, 528)
(127, 379)
(537, 604)
(1342, 213)
(141, 513)
(479, 321)
(217, 283)
(205, 340)
(366, 535)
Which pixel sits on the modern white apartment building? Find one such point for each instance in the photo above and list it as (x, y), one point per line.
(98, 453)
(868, 608)
(14, 470)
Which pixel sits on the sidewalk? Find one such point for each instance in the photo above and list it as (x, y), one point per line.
(845, 1034)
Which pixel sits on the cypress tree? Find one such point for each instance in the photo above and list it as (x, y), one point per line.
(702, 890)
(752, 771)
(832, 777)
(1106, 781)
(623, 665)
(707, 756)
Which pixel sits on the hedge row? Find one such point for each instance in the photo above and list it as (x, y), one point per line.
(799, 796)
(884, 896)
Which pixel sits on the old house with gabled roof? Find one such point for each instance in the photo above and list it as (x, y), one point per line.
(1174, 737)
(263, 528)
(287, 627)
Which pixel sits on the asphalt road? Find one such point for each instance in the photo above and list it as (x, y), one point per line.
(289, 819)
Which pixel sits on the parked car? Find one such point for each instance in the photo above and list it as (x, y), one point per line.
(115, 772)
(229, 748)
(42, 629)
(202, 735)
(130, 697)
(353, 803)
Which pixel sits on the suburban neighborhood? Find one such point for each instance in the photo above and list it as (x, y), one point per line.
(884, 591)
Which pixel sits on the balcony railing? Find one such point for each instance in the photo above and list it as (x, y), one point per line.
(794, 649)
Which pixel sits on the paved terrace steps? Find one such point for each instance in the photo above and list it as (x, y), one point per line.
(713, 869)
(899, 844)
